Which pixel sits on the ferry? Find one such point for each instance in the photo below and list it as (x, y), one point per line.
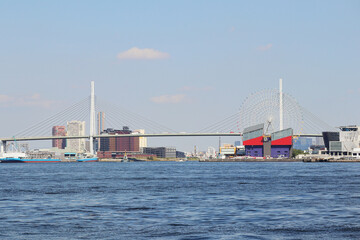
(23, 158)
(27, 160)
(80, 157)
(20, 157)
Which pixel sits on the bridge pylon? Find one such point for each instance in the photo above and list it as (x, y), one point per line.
(92, 117)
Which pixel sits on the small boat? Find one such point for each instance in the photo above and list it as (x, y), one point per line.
(23, 158)
(80, 157)
(125, 158)
(94, 159)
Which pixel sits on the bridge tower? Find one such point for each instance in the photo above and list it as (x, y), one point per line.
(92, 117)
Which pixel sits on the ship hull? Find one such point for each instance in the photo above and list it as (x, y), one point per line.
(25, 160)
(88, 160)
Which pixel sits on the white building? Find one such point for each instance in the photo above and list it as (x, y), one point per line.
(142, 140)
(211, 152)
(76, 128)
(348, 142)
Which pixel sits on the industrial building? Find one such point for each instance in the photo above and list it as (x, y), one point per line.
(227, 150)
(161, 152)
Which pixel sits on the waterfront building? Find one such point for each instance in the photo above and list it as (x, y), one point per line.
(227, 150)
(330, 137)
(161, 152)
(211, 152)
(344, 143)
(100, 122)
(59, 131)
(119, 144)
(281, 143)
(180, 154)
(100, 128)
(276, 145)
(240, 150)
(317, 149)
(76, 128)
(142, 140)
(253, 140)
(302, 143)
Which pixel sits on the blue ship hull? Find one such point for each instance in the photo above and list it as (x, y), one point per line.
(88, 160)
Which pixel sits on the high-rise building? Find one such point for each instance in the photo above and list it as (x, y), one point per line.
(100, 128)
(76, 128)
(59, 131)
(101, 122)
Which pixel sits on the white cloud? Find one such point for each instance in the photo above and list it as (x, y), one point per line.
(265, 47)
(145, 53)
(178, 98)
(196, 89)
(4, 99)
(187, 88)
(34, 100)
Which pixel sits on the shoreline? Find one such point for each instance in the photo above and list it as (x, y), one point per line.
(247, 160)
(281, 160)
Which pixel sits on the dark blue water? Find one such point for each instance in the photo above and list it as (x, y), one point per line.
(173, 200)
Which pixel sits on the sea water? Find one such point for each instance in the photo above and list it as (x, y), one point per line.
(180, 200)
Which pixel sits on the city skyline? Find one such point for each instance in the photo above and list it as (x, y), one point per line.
(182, 64)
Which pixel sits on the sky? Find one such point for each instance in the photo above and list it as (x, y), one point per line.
(182, 64)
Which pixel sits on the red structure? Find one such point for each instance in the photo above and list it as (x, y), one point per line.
(119, 144)
(258, 141)
(59, 131)
(281, 143)
(253, 140)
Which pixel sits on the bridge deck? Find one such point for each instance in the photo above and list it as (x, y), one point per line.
(31, 138)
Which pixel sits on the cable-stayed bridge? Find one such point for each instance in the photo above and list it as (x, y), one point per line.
(272, 107)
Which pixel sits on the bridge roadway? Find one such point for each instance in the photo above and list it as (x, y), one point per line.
(7, 139)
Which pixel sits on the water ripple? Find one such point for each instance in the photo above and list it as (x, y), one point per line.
(180, 201)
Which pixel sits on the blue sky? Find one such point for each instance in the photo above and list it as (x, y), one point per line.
(202, 58)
